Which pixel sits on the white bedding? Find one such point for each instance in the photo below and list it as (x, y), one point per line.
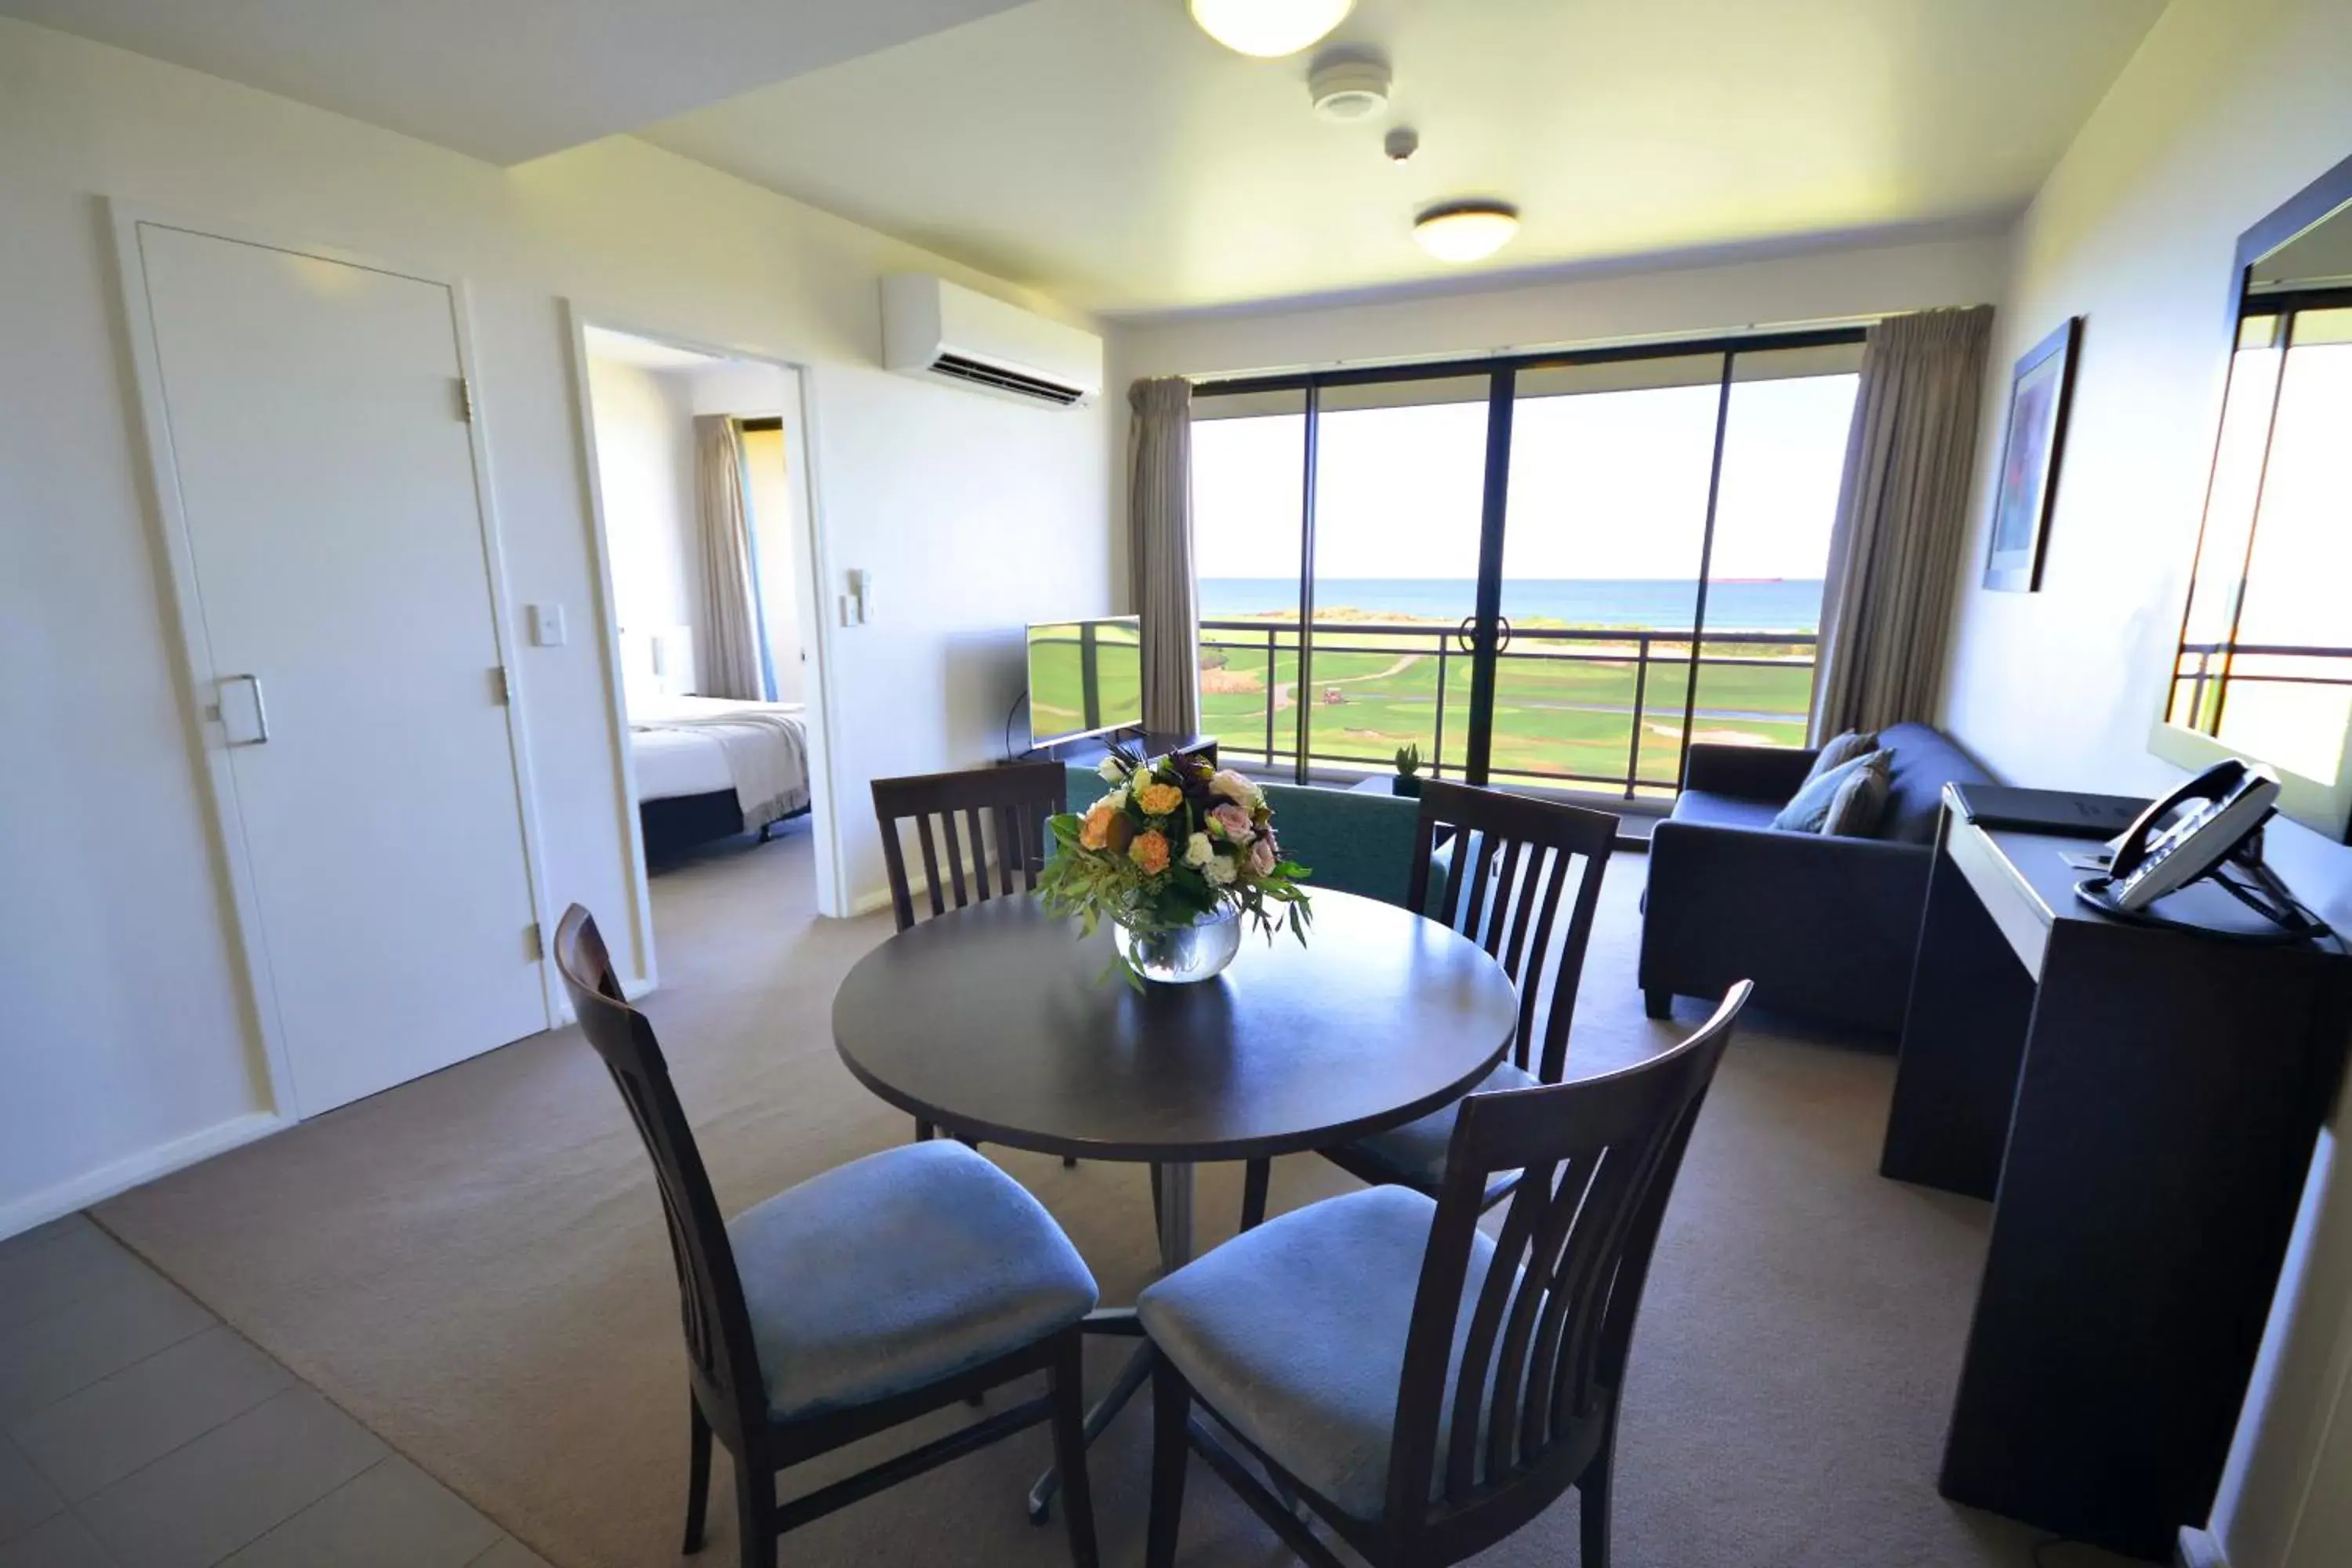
(698, 745)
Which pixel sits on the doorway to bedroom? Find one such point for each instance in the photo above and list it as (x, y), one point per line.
(698, 460)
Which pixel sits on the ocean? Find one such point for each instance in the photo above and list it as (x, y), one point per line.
(1775, 604)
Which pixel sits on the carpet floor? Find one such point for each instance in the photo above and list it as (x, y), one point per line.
(474, 1266)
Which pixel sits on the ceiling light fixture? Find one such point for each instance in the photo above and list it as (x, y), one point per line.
(1268, 29)
(1466, 231)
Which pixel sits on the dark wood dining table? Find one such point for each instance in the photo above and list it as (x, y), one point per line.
(998, 1025)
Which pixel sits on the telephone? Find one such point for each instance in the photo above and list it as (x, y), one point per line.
(2200, 830)
(2189, 832)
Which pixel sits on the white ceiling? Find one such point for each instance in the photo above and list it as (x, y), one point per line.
(503, 80)
(1106, 151)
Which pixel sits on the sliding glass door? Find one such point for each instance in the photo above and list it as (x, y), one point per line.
(1397, 479)
(1249, 467)
(1548, 571)
(1606, 525)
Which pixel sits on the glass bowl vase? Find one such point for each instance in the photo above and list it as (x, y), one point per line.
(1183, 955)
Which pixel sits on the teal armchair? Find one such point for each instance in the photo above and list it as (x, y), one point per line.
(1354, 843)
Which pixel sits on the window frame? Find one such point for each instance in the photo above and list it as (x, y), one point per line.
(2323, 805)
(1501, 371)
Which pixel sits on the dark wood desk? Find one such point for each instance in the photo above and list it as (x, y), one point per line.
(2140, 1105)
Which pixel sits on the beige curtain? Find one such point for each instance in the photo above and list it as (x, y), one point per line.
(1893, 567)
(1160, 552)
(727, 638)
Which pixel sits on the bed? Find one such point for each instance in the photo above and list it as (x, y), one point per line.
(710, 768)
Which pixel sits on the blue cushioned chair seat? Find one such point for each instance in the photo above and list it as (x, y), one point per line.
(1294, 1334)
(1416, 1150)
(897, 1270)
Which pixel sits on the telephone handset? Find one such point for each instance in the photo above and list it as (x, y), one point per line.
(2189, 832)
(2197, 831)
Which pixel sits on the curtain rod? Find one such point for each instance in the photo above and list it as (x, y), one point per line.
(1852, 330)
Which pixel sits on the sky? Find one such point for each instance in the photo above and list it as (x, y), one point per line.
(1604, 485)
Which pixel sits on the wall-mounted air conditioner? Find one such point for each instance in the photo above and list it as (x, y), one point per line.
(934, 329)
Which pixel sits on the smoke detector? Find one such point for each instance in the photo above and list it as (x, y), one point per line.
(1348, 85)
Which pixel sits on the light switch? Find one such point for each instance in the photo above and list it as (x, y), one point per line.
(547, 625)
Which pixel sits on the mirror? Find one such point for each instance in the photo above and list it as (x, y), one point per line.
(2264, 667)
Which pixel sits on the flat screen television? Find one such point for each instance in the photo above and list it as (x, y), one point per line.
(1085, 676)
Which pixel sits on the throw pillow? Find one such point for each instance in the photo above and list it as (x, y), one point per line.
(1861, 799)
(1845, 749)
(1811, 806)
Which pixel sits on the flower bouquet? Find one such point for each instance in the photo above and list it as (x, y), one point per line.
(1174, 856)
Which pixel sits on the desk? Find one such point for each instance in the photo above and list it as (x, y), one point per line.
(2141, 1106)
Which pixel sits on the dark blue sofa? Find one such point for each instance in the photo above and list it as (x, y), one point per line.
(1825, 926)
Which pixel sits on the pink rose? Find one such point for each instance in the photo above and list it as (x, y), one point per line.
(1261, 854)
(1232, 821)
(1234, 787)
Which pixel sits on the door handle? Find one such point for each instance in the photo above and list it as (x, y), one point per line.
(1503, 625)
(260, 710)
(1467, 633)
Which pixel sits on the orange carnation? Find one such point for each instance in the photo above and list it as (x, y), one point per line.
(1094, 831)
(1150, 851)
(1159, 799)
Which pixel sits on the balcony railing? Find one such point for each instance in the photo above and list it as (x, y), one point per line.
(1574, 708)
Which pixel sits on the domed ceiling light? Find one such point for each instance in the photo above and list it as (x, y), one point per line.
(1268, 29)
(1466, 231)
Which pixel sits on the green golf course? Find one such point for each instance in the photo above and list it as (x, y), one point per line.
(1563, 709)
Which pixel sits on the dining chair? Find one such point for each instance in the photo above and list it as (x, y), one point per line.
(860, 1300)
(1506, 864)
(1426, 1388)
(1012, 802)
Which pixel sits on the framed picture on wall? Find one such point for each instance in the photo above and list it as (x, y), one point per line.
(2041, 390)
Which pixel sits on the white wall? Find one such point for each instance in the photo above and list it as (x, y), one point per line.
(2230, 107)
(1597, 306)
(125, 1041)
(645, 467)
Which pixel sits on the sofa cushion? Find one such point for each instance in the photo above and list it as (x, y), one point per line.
(1925, 761)
(1841, 750)
(1861, 801)
(1708, 809)
(1808, 808)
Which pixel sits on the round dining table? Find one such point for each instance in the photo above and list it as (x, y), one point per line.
(998, 1024)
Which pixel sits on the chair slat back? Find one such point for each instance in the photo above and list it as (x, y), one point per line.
(1551, 1321)
(1512, 858)
(1003, 814)
(724, 1363)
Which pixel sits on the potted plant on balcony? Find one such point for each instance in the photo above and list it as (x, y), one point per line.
(1407, 782)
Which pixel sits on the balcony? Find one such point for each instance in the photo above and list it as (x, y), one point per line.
(1580, 710)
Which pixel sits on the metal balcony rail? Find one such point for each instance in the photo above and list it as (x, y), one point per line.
(1642, 648)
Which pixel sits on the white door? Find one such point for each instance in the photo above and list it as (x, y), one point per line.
(315, 434)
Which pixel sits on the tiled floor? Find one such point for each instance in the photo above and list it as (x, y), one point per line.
(139, 1431)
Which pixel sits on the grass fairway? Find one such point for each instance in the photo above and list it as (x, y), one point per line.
(1554, 717)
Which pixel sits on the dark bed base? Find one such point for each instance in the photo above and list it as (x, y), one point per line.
(679, 823)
